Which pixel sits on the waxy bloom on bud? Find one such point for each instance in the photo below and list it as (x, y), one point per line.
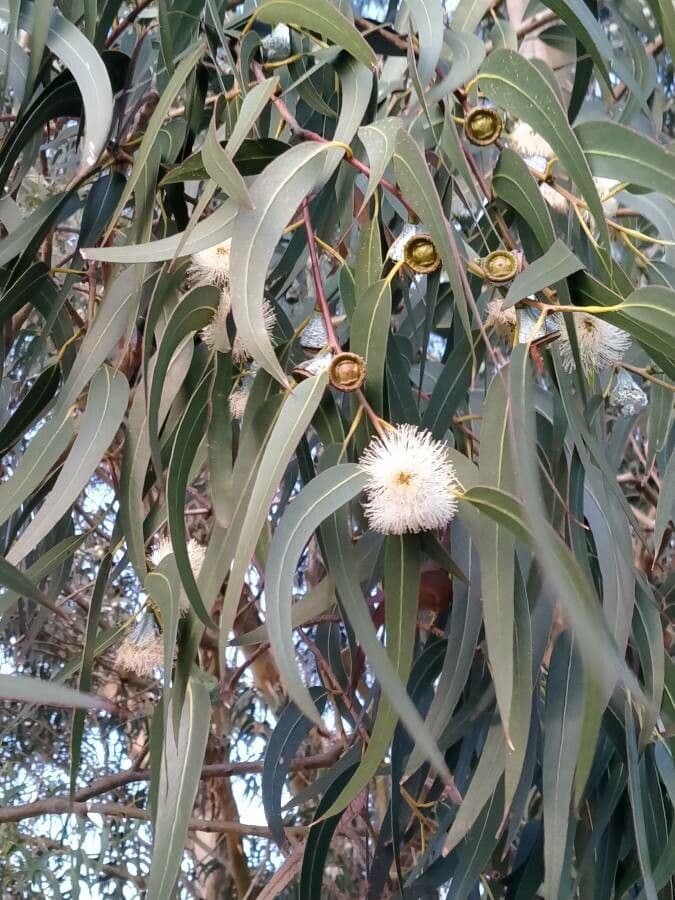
(212, 264)
(277, 44)
(503, 321)
(397, 249)
(601, 345)
(141, 651)
(314, 335)
(626, 395)
(410, 482)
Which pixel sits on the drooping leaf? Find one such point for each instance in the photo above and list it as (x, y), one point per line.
(515, 84)
(276, 195)
(635, 787)
(497, 551)
(557, 263)
(290, 730)
(615, 151)
(562, 730)
(319, 499)
(370, 333)
(401, 583)
(43, 453)
(464, 53)
(183, 69)
(178, 780)
(296, 413)
(106, 404)
(321, 17)
(68, 43)
(189, 436)
(379, 139)
(85, 680)
(427, 19)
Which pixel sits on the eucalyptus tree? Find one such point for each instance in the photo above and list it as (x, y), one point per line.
(337, 475)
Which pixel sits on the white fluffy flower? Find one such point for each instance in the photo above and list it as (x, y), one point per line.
(528, 143)
(237, 401)
(215, 334)
(196, 553)
(601, 345)
(503, 321)
(554, 199)
(212, 264)
(161, 551)
(314, 335)
(410, 482)
(627, 395)
(141, 651)
(239, 353)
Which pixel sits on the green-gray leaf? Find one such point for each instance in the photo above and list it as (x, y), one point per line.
(106, 404)
(557, 263)
(320, 16)
(178, 775)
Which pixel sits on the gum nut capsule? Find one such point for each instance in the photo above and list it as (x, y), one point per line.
(347, 372)
(483, 126)
(500, 266)
(420, 254)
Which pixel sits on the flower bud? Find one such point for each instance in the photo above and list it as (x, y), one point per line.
(347, 371)
(500, 266)
(482, 126)
(420, 254)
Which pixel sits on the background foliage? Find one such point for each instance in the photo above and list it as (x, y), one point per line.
(533, 634)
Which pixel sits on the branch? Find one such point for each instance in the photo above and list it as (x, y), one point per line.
(307, 135)
(126, 22)
(111, 871)
(59, 805)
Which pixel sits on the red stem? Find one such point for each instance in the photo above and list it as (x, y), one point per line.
(318, 281)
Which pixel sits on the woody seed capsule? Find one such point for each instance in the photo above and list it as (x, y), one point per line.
(420, 254)
(347, 372)
(482, 126)
(500, 266)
